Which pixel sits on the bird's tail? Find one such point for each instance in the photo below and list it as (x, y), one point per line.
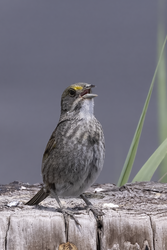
(40, 196)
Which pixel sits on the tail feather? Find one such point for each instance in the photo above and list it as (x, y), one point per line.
(40, 196)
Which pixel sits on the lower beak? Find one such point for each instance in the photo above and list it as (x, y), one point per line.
(89, 96)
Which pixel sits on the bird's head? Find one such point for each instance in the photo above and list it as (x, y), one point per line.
(76, 96)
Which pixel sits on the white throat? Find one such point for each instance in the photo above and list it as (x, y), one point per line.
(87, 109)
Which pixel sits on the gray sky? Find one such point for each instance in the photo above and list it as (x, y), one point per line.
(48, 45)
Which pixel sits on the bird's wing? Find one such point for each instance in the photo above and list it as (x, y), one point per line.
(52, 141)
(42, 194)
(49, 147)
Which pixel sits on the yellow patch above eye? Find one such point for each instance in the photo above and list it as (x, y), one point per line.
(77, 87)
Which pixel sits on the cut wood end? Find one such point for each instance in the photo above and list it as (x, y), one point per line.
(67, 246)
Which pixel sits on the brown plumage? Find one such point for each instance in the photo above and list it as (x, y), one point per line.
(74, 155)
(40, 196)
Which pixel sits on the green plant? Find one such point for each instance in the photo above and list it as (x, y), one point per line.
(150, 165)
(161, 86)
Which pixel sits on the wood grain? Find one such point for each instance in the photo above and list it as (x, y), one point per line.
(134, 218)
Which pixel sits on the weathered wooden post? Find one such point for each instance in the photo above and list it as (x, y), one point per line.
(135, 218)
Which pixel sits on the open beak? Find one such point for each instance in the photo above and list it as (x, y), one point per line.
(86, 93)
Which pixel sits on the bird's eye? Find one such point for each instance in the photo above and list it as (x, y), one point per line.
(72, 92)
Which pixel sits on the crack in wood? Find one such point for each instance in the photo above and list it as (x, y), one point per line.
(6, 236)
(146, 248)
(99, 233)
(153, 240)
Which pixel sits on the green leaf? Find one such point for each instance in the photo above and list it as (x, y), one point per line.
(134, 145)
(148, 169)
(161, 86)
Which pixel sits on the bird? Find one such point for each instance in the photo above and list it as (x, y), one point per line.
(74, 155)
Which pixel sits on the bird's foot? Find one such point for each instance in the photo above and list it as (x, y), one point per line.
(66, 213)
(90, 206)
(95, 211)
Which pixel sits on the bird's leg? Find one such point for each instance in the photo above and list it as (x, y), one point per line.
(91, 207)
(97, 215)
(65, 213)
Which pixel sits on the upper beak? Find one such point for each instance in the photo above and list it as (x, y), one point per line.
(86, 93)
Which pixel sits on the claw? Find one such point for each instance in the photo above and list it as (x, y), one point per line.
(70, 213)
(91, 207)
(66, 212)
(95, 211)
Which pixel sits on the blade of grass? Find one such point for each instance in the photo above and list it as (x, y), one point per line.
(161, 87)
(134, 145)
(162, 177)
(148, 169)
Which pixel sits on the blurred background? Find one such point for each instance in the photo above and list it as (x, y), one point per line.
(48, 45)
